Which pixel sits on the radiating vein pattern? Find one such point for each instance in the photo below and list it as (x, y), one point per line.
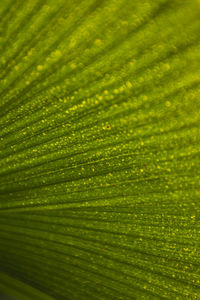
(99, 149)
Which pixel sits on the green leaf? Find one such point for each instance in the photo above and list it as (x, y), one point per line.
(99, 149)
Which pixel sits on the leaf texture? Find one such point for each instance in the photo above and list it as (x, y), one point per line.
(99, 149)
